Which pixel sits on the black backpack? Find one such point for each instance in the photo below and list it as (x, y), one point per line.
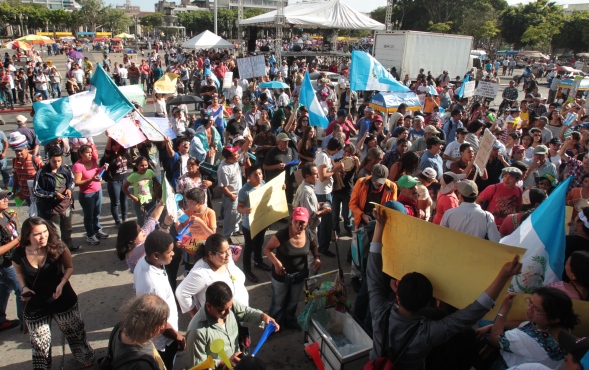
(110, 363)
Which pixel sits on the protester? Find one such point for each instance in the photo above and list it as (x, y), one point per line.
(24, 166)
(219, 319)
(447, 199)
(575, 269)
(149, 277)
(9, 240)
(503, 198)
(230, 182)
(368, 190)
(291, 245)
(144, 183)
(117, 158)
(44, 267)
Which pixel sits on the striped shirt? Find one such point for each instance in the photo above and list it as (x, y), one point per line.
(26, 170)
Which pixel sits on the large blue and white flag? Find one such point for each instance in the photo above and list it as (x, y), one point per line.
(88, 113)
(217, 116)
(460, 91)
(368, 74)
(308, 98)
(543, 235)
(209, 73)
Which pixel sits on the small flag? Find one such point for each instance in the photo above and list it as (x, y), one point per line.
(460, 91)
(308, 98)
(169, 199)
(88, 113)
(543, 235)
(368, 74)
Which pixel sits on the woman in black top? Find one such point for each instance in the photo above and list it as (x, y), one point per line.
(43, 267)
(291, 247)
(116, 156)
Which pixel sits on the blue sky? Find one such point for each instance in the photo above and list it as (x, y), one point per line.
(363, 6)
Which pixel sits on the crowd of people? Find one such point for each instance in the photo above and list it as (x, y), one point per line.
(420, 163)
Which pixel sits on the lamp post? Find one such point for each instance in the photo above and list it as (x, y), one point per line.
(397, 25)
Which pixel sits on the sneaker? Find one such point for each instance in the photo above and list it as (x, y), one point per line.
(251, 276)
(328, 254)
(92, 240)
(263, 266)
(101, 235)
(9, 324)
(75, 248)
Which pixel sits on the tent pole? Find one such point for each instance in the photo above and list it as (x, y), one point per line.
(216, 9)
(349, 81)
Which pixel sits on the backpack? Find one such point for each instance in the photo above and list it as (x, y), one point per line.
(109, 363)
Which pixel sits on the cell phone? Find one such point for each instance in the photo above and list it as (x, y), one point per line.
(27, 294)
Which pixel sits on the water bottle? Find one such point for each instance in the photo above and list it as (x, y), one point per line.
(10, 183)
(570, 118)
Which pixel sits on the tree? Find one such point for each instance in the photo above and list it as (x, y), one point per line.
(574, 34)
(90, 14)
(196, 22)
(533, 18)
(250, 13)
(441, 27)
(60, 18)
(115, 20)
(379, 14)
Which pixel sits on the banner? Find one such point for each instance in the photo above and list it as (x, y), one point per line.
(160, 122)
(459, 266)
(126, 133)
(268, 204)
(166, 84)
(469, 89)
(228, 80)
(251, 67)
(487, 89)
(485, 147)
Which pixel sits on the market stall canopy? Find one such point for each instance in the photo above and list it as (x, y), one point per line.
(388, 102)
(568, 83)
(207, 40)
(125, 36)
(331, 14)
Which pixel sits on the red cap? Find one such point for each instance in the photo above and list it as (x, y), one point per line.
(300, 214)
(232, 149)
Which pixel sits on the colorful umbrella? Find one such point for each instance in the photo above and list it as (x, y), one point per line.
(125, 36)
(75, 54)
(130, 51)
(388, 102)
(17, 45)
(274, 85)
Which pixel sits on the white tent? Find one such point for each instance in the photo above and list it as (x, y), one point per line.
(330, 14)
(207, 40)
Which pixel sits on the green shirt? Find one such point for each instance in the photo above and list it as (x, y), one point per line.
(203, 330)
(142, 185)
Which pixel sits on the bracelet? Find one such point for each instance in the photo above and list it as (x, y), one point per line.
(500, 314)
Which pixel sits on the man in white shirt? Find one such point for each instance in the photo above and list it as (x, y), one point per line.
(78, 75)
(469, 217)
(229, 178)
(324, 188)
(283, 99)
(41, 84)
(123, 74)
(150, 277)
(235, 90)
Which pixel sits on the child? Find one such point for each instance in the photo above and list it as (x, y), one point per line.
(203, 223)
(144, 182)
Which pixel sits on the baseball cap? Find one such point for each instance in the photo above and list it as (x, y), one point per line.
(419, 118)
(21, 119)
(497, 145)
(407, 182)
(5, 194)
(467, 188)
(551, 178)
(300, 214)
(461, 130)
(342, 113)
(514, 109)
(379, 173)
(555, 141)
(237, 138)
(377, 117)
(577, 347)
(540, 149)
(449, 180)
(431, 129)
(430, 174)
(434, 140)
(518, 148)
(513, 171)
(369, 109)
(231, 149)
(282, 137)
(397, 206)
(189, 132)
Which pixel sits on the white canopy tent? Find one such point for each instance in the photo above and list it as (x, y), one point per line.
(330, 14)
(207, 40)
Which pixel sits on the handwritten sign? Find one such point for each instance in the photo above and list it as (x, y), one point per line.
(160, 122)
(268, 204)
(484, 152)
(227, 80)
(126, 133)
(251, 67)
(487, 89)
(469, 89)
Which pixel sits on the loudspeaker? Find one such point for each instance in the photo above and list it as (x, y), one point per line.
(264, 48)
(251, 45)
(296, 48)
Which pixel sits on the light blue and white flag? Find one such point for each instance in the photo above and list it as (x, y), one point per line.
(368, 74)
(209, 73)
(88, 113)
(217, 116)
(460, 91)
(308, 98)
(543, 235)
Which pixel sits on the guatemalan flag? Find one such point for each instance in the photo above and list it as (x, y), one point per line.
(460, 91)
(368, 74)
(543, 235)
(218, 116)
(308, 98)
(88, 113)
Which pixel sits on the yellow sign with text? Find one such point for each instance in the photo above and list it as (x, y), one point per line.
(268, 204)
(459, 266)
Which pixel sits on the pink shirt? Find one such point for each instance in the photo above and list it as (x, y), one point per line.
(92, 186)
(444, 203)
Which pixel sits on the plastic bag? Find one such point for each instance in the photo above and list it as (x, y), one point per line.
(315, 309)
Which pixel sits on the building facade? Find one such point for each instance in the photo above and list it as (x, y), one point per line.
(55, 4)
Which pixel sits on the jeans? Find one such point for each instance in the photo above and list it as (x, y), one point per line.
(144, 79)
(9, 283)
(325, 227)
(134, 80)
(362, 307)
(169, 355)
(44, 94)
(341, 201)
(56, 90)
(63, 226)
(221, 131)
(231, 217)
(7, 98)
(123, 82)
(284, 303)
(4, 171)
(252, 245)
(91, 204)
(117, 199)
(142, 210)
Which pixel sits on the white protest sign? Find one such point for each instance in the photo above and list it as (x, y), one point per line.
(487, 89)
(468, 89)
(484, 152)
(227, 79)
(161, 123)
(251, 67)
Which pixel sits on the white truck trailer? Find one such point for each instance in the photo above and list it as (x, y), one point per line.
(408, 51)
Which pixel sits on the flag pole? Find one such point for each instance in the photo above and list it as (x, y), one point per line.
(350, 82)
(149, 122)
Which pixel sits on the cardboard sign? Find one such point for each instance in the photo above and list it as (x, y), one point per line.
(469, 89)
(485, 147)
(251, 67)
(227, 80)
(487, 89)
(268, 204)
(162, 123)
(126, 133)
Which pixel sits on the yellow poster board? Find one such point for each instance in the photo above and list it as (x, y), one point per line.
(459, 266)
(166, 84)
(268, 204)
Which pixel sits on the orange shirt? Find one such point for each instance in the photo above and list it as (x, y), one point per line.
(198, 233)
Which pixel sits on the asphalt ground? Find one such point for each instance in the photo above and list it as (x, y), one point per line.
(104, 284)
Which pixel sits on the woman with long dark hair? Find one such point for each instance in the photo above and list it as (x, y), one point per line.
(116, 156)
(43, 267)
(307, 146)
(407, 165)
